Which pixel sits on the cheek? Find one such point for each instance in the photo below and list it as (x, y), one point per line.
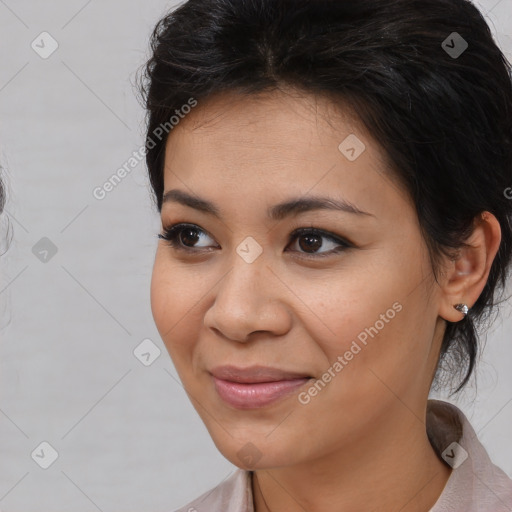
(380, 349)
(174, 302)
(367, 320)
(161, 296)
(342, 306)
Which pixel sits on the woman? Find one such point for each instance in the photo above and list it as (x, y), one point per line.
(332, 182)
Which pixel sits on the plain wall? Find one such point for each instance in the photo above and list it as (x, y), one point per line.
(126, 434)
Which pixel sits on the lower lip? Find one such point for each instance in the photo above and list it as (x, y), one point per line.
(254, 395)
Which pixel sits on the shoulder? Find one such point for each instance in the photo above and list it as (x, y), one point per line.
(234, 494)
(476, 483)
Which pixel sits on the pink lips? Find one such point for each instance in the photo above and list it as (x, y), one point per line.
(256, 386)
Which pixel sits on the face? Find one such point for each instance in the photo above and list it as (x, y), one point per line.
(344, 312)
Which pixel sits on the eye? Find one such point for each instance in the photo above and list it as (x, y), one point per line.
(312, 240)
(179, 236)
(182, 237)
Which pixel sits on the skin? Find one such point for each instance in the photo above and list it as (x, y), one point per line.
(360, 444)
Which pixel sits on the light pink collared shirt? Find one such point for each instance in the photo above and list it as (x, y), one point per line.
(475, 483)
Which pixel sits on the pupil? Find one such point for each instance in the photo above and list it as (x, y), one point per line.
(310, 244)
(186, 232)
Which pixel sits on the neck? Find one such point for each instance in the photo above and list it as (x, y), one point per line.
(396, 468)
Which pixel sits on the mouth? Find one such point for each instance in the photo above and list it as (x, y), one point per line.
(255, 386)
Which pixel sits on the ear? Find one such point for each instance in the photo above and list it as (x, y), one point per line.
(465, 276)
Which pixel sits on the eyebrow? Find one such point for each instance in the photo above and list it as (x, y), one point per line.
(279, 211)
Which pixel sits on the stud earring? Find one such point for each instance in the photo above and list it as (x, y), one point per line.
(463, 308)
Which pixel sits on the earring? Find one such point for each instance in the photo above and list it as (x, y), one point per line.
(463, 308)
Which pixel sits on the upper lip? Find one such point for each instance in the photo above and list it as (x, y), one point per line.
(253, 374)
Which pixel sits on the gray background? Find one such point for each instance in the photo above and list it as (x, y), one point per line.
(126, 435)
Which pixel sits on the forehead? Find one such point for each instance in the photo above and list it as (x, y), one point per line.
(248, 113)
(276, 145)
(269, 129)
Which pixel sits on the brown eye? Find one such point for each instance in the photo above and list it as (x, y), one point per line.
(310, 240)
(183, 237)
(188, 236)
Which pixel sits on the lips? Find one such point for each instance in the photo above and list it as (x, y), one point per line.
(255, 386)
(255, 374)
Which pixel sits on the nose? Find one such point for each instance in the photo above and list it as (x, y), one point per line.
(249, 298)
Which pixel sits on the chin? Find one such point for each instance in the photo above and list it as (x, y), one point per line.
(254, 452)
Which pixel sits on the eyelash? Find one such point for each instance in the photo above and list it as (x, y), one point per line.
(171, 237)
